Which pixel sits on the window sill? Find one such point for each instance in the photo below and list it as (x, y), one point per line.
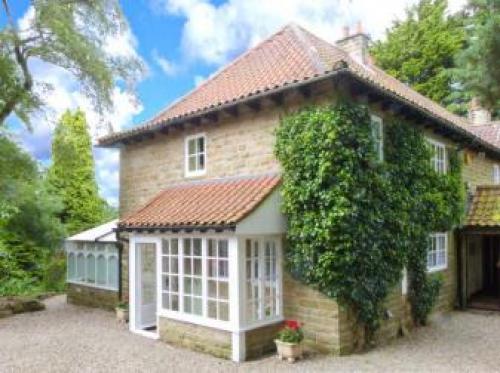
(102, 287)
(437, 269)
(194, 174)
(198, 320)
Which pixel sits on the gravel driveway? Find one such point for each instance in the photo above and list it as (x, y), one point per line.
(66, 338)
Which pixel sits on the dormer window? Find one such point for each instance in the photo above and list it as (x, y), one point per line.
(195, 155)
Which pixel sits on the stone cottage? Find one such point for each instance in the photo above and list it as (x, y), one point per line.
(200, 226)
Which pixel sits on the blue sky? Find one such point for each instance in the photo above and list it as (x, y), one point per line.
(182, 42)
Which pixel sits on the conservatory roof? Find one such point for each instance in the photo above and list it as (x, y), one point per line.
(102, 233)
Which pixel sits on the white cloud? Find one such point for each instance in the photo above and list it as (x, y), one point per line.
(198, 79)
(168, 67)
(64, 93)
(214, 33)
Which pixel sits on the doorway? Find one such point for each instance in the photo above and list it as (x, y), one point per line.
(145, 315)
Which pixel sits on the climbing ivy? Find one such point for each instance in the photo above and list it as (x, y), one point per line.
(355, 222)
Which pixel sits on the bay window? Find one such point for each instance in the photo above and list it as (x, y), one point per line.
(195, 279)
(92, 264)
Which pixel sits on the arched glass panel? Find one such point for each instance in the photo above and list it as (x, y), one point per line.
(80, 267)
(71, 266)
(101, 270)
(91, 268)
(113, 272)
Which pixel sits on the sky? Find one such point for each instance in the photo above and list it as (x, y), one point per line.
(183, 42)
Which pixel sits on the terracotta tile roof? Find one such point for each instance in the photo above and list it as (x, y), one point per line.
(291, 56)
(485, 209)
(488, 132)
(212, 203)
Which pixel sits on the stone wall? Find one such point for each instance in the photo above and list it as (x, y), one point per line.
(91, 297)
(318, 313)
(260, 342)
(195, 337)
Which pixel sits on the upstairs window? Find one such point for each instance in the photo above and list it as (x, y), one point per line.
(437, 252)
(496, 174)
(195, 155)
(438, 159)
(378, 136)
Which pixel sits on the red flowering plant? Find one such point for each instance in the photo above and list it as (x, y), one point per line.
(291, 332)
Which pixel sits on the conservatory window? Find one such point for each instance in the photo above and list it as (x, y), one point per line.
(93, 264)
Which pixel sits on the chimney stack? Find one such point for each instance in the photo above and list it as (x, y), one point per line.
(356, 44)
(477, 114)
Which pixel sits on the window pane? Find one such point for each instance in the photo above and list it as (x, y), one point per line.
(101, 270)
(91, 268)
(197, 306)
(212, 309)
(191, 147)
(197, 247)
(174, 284)
(71, 266)
(223, 253)
(165, 264)
(187, 266)
(197, 267)
(80, 267)
(187, 247)
(201, 162)
(113, 271)
(212, 250)
(187, 286)
(223, 290)
(201, 144)
(224, 311)
(187, 304)
(165, 301)
(212, 289)
(197, 286)
(223, 269)
(175, 302)
(175, 246)
(174, 265)
(165, 247)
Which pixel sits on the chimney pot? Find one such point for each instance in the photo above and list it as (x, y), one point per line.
(477, 114)
(359, 27)
(356, 45)
(345, 31)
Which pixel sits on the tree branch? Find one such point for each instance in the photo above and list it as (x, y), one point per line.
(22, 61)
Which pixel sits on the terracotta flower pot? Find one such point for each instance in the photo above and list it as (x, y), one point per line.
(289, 351)
(121, 314)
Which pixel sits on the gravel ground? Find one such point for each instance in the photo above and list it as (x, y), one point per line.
(66, 338)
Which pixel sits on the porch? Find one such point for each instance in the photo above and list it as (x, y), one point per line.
(205, 266)
(479, 253)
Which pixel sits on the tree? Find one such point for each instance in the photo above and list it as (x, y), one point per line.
(30, 231)
(420, 50)
(71, 34)
(479, 62)
(71, 174)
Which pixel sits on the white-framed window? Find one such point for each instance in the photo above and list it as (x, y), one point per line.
(377, 127)
(218, 279)
(195, 155)
(437, 253)
(170, 274)
(92, 264)
(193, 276)
(261, 276)
(496, 174)
(438, 158)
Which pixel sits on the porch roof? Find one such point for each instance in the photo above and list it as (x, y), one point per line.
(485, 209)
(208, 204)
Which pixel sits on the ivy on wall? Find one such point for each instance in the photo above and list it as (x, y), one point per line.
(355, 222)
